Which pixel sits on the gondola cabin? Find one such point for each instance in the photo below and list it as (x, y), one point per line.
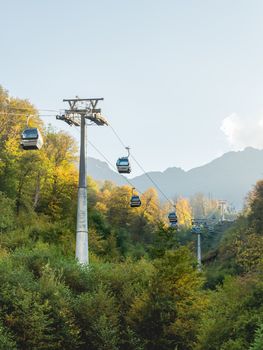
(135, 201)
(196, 230)
(31, 138)
(123, 165)
(172, 217)
(193, 230)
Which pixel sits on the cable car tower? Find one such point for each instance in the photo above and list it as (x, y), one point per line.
(222, 207)
(79, 110)
(197, 230)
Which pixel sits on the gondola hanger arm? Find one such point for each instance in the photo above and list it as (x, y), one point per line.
(27, 120)
(128, 149)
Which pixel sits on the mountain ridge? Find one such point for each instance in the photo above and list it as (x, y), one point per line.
(230, 176)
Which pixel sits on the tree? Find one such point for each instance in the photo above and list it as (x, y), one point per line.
(6, 339)
(234, 312)
(59, 182)
(7, 212)
(203, 207)
(258, 342)
(165, 315)
(255, 207)
(98, 318)
(184, 212)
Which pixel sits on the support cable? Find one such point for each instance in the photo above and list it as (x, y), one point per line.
(112, 166)
(110, 163)
(145, 173)
(30, 109)
(22, 114)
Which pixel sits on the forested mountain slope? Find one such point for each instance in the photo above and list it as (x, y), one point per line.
(142, 289)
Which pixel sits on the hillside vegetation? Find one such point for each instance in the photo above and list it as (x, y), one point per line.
(142, 290)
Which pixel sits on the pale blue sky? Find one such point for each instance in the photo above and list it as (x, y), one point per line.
(170, 71)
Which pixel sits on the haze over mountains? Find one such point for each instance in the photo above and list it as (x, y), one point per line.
(229, 177)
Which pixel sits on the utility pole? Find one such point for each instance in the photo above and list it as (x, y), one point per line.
(80, 110)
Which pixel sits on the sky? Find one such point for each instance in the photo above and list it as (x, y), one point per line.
(182, 81)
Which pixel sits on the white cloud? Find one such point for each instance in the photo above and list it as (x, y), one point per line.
(241, 133)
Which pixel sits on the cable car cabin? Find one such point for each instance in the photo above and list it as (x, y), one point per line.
(135, 201)
(123, 165)
(31, 138)
(172, 217)
(196, 230)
